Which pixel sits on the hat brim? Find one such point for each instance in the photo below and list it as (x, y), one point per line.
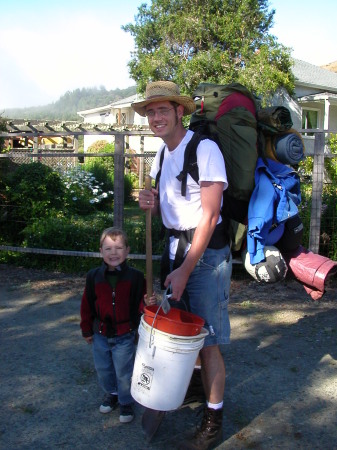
(187, 102)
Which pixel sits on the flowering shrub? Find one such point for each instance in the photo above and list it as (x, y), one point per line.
(83, 192)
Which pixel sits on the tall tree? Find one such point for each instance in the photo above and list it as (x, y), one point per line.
(220, 41)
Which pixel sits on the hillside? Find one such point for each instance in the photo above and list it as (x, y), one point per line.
(72, 101)
(332, 66)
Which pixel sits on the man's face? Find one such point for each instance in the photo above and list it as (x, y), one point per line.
(163, 118)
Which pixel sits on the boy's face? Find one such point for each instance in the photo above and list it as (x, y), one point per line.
(114, 251)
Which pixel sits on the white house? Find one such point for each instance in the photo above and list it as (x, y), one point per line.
(119, 113)
(314, 105)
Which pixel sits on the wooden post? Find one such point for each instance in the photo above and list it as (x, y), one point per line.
(35, 147)
(119, 181)
(317, 190)
(127, 150)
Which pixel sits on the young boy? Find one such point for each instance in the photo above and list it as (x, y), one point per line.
(111, 307)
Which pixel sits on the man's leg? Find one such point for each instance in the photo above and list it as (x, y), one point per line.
(208, 289)
(213, 373)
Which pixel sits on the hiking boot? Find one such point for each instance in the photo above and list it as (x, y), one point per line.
(109, 403)
(126, 413)
(208, 434)
(195, 391)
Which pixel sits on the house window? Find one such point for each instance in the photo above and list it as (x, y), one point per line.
(103, 117)
(122, 119)
(309, 119)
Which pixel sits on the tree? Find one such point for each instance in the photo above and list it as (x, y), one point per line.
(2, 128)
(219, 41)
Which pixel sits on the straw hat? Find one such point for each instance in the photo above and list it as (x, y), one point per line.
(161, 91)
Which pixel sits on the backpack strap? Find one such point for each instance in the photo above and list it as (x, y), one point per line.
(190, 162)
(190, 165)
(162, 150)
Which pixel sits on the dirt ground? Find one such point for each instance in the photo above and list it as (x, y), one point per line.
(281, 380)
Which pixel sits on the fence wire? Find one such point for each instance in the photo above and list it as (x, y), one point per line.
(13, 225)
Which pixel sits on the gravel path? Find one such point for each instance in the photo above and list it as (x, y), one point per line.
(281, 387)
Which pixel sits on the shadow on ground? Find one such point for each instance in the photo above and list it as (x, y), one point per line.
(281, 384)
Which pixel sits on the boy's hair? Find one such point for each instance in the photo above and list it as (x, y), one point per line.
(113, 232)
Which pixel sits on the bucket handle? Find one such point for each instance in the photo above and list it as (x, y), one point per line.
(165, 307)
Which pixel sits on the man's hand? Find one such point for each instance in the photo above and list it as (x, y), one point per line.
(178, 280)
(148, 199)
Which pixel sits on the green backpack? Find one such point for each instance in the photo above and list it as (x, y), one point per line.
(227, 115)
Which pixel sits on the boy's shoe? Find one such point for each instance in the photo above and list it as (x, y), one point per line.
(109, 403)
(126, 413)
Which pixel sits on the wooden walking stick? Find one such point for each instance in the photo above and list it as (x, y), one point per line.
(151, 418)
(148, 236)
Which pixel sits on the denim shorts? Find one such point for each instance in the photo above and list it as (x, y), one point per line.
(207, 294)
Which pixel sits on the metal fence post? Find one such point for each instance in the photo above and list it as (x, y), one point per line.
(119, 181)
(317, 190)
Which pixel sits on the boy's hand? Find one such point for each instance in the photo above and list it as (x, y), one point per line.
(89, 339)
(150, 301)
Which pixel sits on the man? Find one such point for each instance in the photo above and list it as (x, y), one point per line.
(203, 270)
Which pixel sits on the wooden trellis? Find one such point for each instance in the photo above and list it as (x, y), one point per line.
(36, 129)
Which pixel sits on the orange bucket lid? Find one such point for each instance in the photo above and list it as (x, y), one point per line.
(176, 321)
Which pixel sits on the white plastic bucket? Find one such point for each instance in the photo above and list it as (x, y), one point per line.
(163, 367)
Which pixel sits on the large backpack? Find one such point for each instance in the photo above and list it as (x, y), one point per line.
(227, 115)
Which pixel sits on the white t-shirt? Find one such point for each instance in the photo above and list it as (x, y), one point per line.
(184, 213)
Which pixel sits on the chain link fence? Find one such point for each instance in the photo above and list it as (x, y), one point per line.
(20, 226)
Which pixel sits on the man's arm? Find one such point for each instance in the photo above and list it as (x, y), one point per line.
(211, 195)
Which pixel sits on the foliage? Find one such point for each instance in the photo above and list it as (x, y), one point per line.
(2, 128)
(70, 103)
(101, 146)
(328, 235)
(84, 193)
(35, 190)
(102, 167)
(79, 233)
(331, 163)
(305, 168)
(67, 233)
(107, 162)
(191, 41)
(332, 142)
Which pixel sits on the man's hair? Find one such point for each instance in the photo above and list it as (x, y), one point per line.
(113, 233)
